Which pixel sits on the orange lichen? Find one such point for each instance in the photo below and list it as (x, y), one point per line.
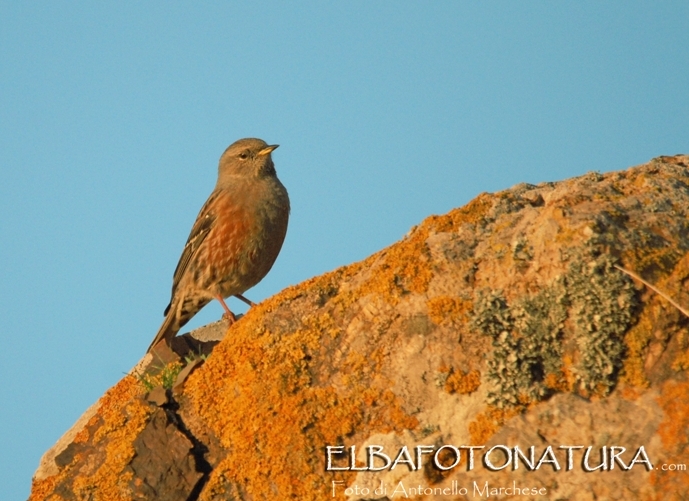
(123, 416)
(674, 435)
(257, 396)
(487, 423)
(387, 413)
(568, 371)
(681, 362)
(653, 317)
(471, 213)
(650, 261)
(83, 436)
(557, 382)
(674, 430)
(402, 268)
(406, 266)
(630, 392)
(462, 383)
(447, 309)
(41, 490)
(637, 339)
(265, 408)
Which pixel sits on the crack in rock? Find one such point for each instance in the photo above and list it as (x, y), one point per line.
(166, 441)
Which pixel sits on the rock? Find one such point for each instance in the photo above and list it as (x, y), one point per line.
(178, 386)
(162, 443)
(503, 329)
(157, 396)
(199, 341)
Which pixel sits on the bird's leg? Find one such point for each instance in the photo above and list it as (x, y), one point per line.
(228, 314)
(242, 298)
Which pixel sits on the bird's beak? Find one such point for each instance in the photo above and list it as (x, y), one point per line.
(267, 149)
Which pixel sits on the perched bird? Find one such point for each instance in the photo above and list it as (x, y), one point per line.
(235, 239)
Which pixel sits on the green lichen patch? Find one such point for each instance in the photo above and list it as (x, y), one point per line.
(604, 306)
(527, 346)
(529, 336)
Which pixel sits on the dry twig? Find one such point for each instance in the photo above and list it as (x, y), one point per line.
(653, 288)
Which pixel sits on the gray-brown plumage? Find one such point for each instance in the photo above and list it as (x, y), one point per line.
(236, 236)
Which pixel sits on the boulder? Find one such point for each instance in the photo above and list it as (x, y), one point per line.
(508, 349)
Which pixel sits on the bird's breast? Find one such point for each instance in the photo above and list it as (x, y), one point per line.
(247, 236)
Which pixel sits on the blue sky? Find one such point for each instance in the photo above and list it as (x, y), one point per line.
(113, 116)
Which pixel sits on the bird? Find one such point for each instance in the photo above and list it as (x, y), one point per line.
(235, 239)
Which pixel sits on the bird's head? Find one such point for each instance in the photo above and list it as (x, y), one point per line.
(248, 157)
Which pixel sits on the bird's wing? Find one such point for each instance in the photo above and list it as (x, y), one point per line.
(202, 226)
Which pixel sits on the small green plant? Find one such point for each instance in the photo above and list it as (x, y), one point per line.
(165, 376)
(192, 357)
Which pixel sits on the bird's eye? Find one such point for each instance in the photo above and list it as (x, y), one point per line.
(244, 155)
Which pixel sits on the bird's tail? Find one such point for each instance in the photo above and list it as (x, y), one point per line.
(177, 314)
(168, 330)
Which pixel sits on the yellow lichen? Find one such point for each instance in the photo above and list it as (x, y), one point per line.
(257, 395)
(637, 339)
(447, 309)
(568, 372)
(463, 383)
(674, 435)
(681, 362)
(471, 213)
(670, 274)
(557, 382)
(41, 490)
(487, 423)
(123, 417)
(406, 266)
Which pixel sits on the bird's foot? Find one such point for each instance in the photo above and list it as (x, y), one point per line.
(247, 301)
(228, 314)
(230, 317)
